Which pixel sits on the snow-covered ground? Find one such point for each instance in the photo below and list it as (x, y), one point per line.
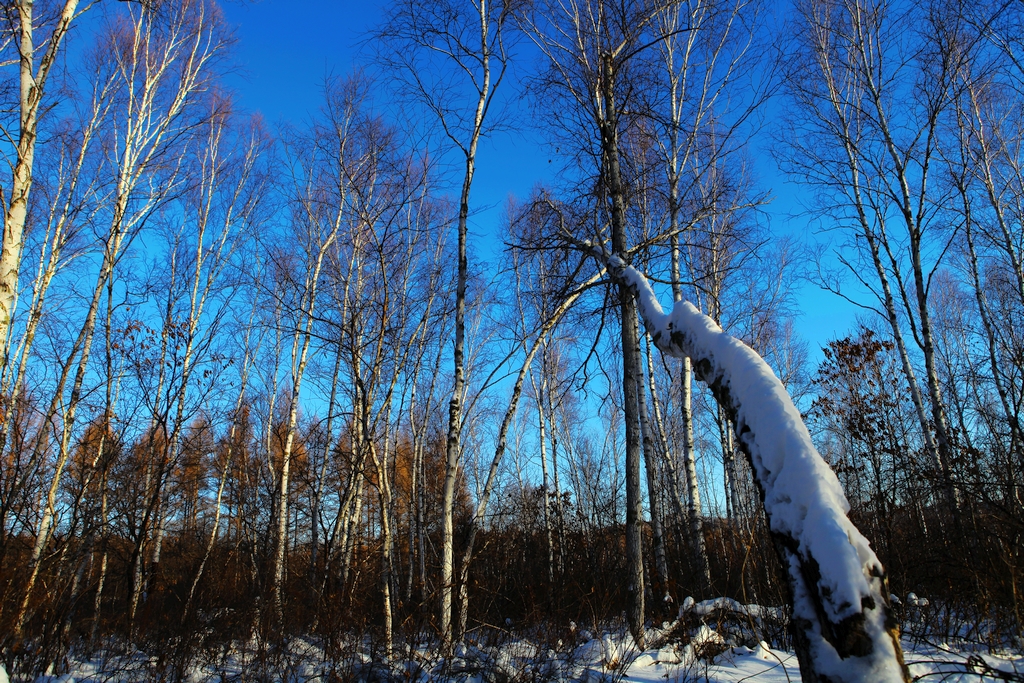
(704, 645)
(605, 660)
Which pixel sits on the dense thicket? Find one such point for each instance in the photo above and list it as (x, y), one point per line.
(231, 406)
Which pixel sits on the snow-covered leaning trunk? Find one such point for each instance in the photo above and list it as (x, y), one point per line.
(842, 625)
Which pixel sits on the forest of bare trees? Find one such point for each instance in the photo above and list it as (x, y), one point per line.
(264, 382)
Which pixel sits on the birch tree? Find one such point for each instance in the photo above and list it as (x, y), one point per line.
(221, 210)
(535, 325)
(161, 68)
(70, 182)
(321, 166)
(589, 51)
(385, 317)
(876, 163)
(452, 56)
(985, 171)
(841, 620)
(706, 52)
(34, 70)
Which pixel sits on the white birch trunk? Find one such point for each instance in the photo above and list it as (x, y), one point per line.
(545, 500)
(31, 83)
(456, 417)
(695, 515)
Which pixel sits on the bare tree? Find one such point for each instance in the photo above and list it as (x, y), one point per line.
(32, 81)
(453, 56)
(322, 166)
(875, 162)
(534, 340)
(161, 68)
(73, 190)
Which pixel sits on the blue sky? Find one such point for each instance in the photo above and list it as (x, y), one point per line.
(285, 49)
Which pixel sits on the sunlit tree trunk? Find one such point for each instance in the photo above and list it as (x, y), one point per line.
(465, 41)
(631, 372)
(545, 484)
(695, 515)
(32, 80)
(650, 452)
(685, 498)
(301, 340)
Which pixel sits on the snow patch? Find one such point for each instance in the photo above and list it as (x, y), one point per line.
(516, 658)
(668, 655)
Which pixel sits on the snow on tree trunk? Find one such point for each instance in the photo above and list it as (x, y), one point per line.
(841, 624)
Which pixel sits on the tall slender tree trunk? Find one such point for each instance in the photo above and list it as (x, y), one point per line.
(455, 415)
(631, 373)
(725, 443)
(348, 541)
(660, 589)
(322, 479)
(1016, 436)
(545, 498)
(634, 514)
(455, 411)
(695, 516)
(31, 83)
(414, 492)
(556, 497)
(387, 545)
(101, 579)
